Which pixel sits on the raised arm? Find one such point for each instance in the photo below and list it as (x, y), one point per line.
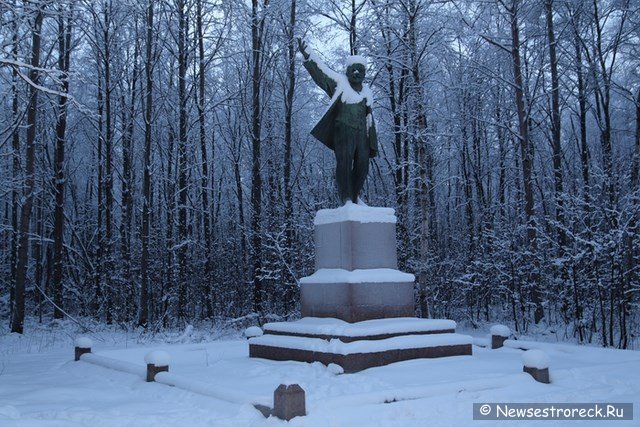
(324, 77)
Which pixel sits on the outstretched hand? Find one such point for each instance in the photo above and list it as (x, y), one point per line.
(302, 47)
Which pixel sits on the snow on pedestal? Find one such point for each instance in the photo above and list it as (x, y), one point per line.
(499, 333)
(355, 212)
(157, 361)
(536, 364)
(369, 275)
(326, 327)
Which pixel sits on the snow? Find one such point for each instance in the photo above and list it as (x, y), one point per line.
(366, 346)
(253, 331)
(356, 59)
(355, 212)
(368, 275)
(535, 359)
(158, 358)
(115, 364)
(340, 328)
(500, 331)
(215, 384)
(83, 342)
(335, 369)
(210, 389)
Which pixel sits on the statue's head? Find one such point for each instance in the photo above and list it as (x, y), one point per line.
(356, 69)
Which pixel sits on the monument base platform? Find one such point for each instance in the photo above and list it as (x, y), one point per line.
(361, 345)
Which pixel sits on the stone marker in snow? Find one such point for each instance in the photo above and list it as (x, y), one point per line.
(83, 345)
(499, 333)
(157, 361)
(289, 402)
(536, 364)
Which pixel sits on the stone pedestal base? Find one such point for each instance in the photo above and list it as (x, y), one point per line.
(362, 345)
(358, 307)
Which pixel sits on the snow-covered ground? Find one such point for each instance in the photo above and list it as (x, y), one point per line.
(41, 385)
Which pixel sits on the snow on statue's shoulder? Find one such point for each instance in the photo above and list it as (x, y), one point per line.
(355, 212)
(158, 358)
(535, 359)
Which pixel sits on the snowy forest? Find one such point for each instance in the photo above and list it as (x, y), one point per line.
(156, 167)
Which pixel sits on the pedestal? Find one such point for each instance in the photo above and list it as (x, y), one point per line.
(356, 276)
(358, 308)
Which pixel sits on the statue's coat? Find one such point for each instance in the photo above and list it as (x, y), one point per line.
(324, 130)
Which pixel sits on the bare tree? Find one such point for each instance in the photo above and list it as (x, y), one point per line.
(17, 319)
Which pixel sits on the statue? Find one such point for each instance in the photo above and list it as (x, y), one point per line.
(347, 127)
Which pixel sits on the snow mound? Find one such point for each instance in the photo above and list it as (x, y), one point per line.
(83, 342)
(335, 369)
(535, 359)
(253, 331)
(501, 331)
(157, 358)
(355, 212)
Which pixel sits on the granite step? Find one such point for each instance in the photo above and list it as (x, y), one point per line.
(360, 354)
(330, 328)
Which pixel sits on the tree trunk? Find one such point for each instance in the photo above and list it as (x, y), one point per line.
(288, 142)
(182, 161)
(143, 316)
(555, 126)
(15, 147)
(108, 170)
(257, 27)
(635, 166)
(64, 54)
(127, 183)
(204, 179)
(526, 153)
(353, 48)
(17, 318)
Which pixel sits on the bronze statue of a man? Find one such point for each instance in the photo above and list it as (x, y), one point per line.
(347, 127)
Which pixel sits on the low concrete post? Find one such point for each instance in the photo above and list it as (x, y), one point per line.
(536, 364)
(157, 361)
(82, 346)
(499, 334)
(289, 402)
